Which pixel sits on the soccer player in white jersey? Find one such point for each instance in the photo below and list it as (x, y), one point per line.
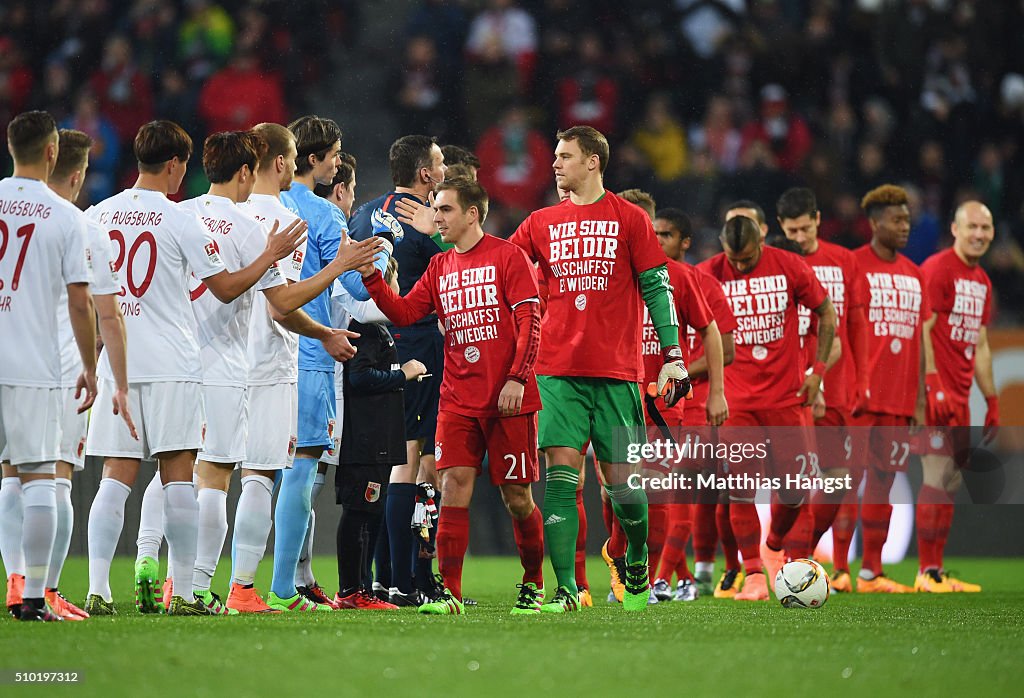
(158, 244)
(43, 250)
(230, 162)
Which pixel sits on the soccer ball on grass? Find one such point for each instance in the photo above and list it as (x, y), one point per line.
(802, 584)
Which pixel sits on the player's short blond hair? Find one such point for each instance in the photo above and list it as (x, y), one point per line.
(470, 193)
(642, 199)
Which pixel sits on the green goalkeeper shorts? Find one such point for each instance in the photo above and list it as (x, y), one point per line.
(604, 411)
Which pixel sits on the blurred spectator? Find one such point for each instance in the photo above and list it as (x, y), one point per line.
(54, 94)
(931, 177)
(705, 24)
(924, 227)
(515, 163)
(446, 23)
(758, 178)
(1005, 264)
(241, 96)
(847, 226)
(457, 155)
(515, 31)
(662, 139)
(718, 134)
(15, 81)
(783, 130)
(101, 180)
(989, 178)
(588, 94)
(697, 191)
(491, 85)
(124, 92)
(418, 89)
(870, 169)
(205, 38)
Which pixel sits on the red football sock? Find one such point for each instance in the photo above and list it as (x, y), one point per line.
(529, 535)
(798, 541)
(608, 514)
(617, 546)
(845, 523)
(783, 518)
(581, 544)
(875, 513)
(929, 517)
(684, 527)
(705, 532)
(730, 549)
(675, 543)
(452, 541)
(945, 524)
(823, 511)
(657, 529)
(747, 529)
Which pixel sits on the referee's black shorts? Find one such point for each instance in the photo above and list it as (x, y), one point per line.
(425, 343)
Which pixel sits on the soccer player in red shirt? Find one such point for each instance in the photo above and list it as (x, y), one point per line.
(897, 308)
(708, 405)
(960, 294)
(599, 256)
(484, 292)
(766, 383)
(836, 269)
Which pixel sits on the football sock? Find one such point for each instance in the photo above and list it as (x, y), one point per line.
(875, 513)
(62, 538)
(929, 522)
(151, 520)
(581, 543)
(354, 547)
(399, 508)
(631, 510)
(747, 529)
(452, 542)
(608, 516)
(675, 540)
(561, 523)
(423, 566)
(684, 526)
(304, 570)
(783, 518)
(11, 517)
(730, 549)
(291, 517)
(824, 509)
(798, 542)
(657, 524)
(106, 518)
(945, 524)
(213, 529)
(529, 535)
(252, 528)
(181, 527)
(617, 543)
(843, 527)
(40, 526)
(705, 531)
(381, 557)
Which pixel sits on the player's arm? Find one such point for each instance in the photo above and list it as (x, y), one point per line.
(673, 380)
(364, 377)
(401, 310)
(115, 343)
(388, 232)
(350, 256)
(826, 333)
(938, 410)
(336, 342)
(714, 366)
(986, 381)
(229, 285)
(834, 353)
(83, 325)
(527, 318)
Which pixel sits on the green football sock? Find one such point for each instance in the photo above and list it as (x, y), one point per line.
(562, 522)
(630, 507)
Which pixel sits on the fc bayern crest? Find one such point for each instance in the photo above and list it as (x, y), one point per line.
(372, 493)
(759, 352)
(472, 354)
(437, 451)
(969, 351)
(581, 302)
(896, 346)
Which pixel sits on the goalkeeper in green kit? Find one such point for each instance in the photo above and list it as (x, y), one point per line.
(599, 258)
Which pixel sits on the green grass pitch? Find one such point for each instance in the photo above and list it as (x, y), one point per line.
(962, 644)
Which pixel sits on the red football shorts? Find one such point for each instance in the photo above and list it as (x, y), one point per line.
(882, 441)
(952, 439)
(788, 436)
(835, 444)
(510, 444)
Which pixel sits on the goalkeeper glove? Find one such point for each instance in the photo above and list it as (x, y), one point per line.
(673, 380)
(387, 227)
(939, 410)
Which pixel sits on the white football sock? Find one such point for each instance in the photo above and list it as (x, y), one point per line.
(11, 525)
(151, 520)
(106, 517)
(304, 570)
(252, 527)
(181, 527)
(40, 507)
(62, 539)
(701, 567)
(213, 529)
